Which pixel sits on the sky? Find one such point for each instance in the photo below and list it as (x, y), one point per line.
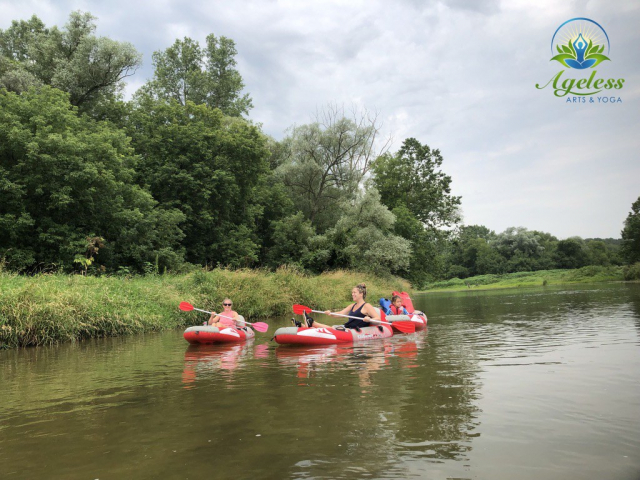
(458, 75)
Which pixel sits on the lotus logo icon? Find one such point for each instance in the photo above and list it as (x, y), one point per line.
(580, 43)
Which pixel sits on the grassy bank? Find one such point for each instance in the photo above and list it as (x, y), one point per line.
(531, 279)
(48, 309)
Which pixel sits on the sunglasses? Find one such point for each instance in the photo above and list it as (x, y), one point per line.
(227, 304)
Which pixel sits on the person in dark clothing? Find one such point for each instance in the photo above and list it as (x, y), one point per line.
(364, 311)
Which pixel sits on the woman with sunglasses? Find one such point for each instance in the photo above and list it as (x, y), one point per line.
(230, 316)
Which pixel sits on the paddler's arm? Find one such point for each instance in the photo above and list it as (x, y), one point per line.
(344, 311)
(371, 313)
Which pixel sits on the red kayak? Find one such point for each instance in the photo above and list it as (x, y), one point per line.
(206, 334)
(419, 319)
(330, 336)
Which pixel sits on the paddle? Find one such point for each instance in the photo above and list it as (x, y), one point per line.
(404, 327)
(259, 326)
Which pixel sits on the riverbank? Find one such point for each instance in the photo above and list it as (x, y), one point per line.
(589, 274)
(49, 309)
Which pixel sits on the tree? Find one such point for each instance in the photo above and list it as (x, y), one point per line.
(208, 166)
(290, 240)
(571, 253)
(89, 68)
(412, 177)
(66, 179)
(324, 162)
(363, 238)
(185, 72)
(630, 248)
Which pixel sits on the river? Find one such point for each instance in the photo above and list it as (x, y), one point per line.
(527, 384)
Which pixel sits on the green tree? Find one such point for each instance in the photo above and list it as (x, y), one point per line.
(209, 166)
(323, 163)
(290, 240)
(185, 72)
(363, 238)
(630, 248)
(412, 177)
(91, 69)
(571, 253)
(65, 178)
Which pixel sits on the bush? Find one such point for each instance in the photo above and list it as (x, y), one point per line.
(632, 272)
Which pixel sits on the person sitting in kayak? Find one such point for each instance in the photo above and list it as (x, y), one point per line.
(216, 320)
(396, 307)
(361, 309)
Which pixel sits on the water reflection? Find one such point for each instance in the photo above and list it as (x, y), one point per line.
(499, 385)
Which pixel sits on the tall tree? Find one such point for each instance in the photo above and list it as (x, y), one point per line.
(186, 72)
(630, 248)
(67, 182)
(412, 177)
(325, 161)
(210, 167)
(89, 68)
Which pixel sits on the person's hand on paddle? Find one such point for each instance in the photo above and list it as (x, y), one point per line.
(328, 312)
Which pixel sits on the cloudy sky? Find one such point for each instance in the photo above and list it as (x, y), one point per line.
(458, 75)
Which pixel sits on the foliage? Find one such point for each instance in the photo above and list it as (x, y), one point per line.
(89, 68)
(363, 238)
(531, 279)
(64, 178)
(632, 272)
(630, 248)
(209, 167)
(185, 72)
(571, 253)
(412, 177)
(290, 240)
(323, 163)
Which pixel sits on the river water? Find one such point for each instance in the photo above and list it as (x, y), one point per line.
(527, 384)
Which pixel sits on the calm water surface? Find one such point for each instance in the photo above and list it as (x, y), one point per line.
(540, 383)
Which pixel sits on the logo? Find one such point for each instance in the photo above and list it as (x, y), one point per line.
(582, 44)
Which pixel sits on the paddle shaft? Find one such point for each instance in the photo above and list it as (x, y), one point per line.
(224, 316)
(349, 316)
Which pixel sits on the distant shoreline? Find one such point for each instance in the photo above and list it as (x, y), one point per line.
(590, 274)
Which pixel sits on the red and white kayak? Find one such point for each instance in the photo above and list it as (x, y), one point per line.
(329, 336)
(419, 319)
(206, 334)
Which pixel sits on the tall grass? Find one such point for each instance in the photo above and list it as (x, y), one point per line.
(48, 309)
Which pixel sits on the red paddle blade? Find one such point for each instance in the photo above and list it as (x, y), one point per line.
(260, 326)
(404, 327)
(186, 306)
(300, 309)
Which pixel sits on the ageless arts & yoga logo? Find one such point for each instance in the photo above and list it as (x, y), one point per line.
(582, 44)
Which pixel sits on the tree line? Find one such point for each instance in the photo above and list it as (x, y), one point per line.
(179, 175)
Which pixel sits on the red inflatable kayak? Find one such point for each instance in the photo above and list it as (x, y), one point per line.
(206, 334)
(329, 336)
(419, 319)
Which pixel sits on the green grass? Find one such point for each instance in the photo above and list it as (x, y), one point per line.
(49, 309)
(531, 279)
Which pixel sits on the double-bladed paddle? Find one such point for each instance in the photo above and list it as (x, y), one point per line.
(402, 326)
(259, 326)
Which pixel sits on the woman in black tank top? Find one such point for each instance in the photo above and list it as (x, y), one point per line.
(361, 309)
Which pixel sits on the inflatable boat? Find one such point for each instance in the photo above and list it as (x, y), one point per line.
(329, 336)
(206, 334)
(415, 316)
